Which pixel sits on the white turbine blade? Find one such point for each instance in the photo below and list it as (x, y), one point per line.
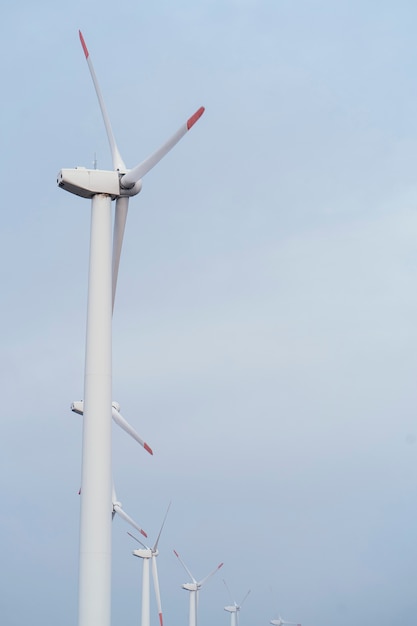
(120, 421)
(120, 217)
(135, 174)
(154, 549)
(157, 591)
(138, 540)
(117, 159)
(201, 582)
(185, 567)
(78, 407)
(228, 590)
(241, 604)
(118, 509)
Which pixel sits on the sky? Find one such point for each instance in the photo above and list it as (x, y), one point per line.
(264, 332)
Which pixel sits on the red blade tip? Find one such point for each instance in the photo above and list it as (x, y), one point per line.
(148, 449)
(221, 565)
(194, 118)
(143, 533)
(83, 44)
(160, 619)
(176, 553)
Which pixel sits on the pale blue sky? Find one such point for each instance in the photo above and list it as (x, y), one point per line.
(265, 338)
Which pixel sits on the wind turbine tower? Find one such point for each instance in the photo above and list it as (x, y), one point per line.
(102, 187)
(194, 587)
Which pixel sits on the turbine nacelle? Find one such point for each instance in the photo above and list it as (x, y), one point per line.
(232, 609)
(191, 586)
(87, 183)
(145, 553)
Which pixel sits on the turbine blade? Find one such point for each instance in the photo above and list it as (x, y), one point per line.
(228, 590)
(135, 174)
(157, 591)
(201, 583)
(120, 217)
(118, 509)
(117, 159)
(120, 421)
(185, 567)
(241, 604)
(138, 540)
(78, 407)
(163, 523)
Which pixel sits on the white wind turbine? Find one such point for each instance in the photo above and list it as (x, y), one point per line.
(234, 608)
(194, 587)
(117, 509)
(150, 554)
(282, 622)
(78, 407)
(96, 496)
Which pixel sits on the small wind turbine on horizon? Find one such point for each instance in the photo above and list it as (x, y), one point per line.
(150, 554)
(234, 608)
(281, 622)
(194, 587)
(102, 187)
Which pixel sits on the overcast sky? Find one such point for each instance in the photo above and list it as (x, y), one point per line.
(265, 328)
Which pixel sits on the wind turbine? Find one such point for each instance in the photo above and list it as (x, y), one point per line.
(118, 509)
(150, 554)
(234, 608)
(194, 587)
(102, 187)
(281, 622)
(78, 407)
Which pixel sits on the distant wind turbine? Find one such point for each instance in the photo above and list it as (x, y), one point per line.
(150, 554)
(234, 608)
(118, 509)
(78, 407)
(194, 587)
(282, 622)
